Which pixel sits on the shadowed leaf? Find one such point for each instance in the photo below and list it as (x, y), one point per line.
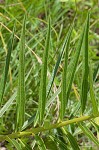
(84, 85)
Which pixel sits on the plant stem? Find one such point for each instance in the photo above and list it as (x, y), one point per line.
(41, 129)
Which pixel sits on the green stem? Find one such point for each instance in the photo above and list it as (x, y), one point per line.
(41, 129)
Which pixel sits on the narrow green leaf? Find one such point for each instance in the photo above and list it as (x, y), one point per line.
(95, 124)
(72, 141)
(73, 65)
(61, 143)
(64, 81)
(21, 81)
(51, 100)
(42, 97)
(24, 145)
(88, 132)
(95, 71)
(6, 68)
(40, 142)
(28, 122)
(92, 95)
(61, 135)
(75, 110)
(84, 88)
(14, 143)
(12, 98)
(71, 138)
(36, 118)
(7, 104)
(58, 61)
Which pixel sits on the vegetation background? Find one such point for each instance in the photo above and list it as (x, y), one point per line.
(49, 74)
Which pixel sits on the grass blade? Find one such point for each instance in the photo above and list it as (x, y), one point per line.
(84, 88)
(7, 104)
(21, 80)
(72, 141)
(6, 69)
(92, 95)
(11, 99)
(24, 145)
(14, 143)
(36, 118)
(28, 122)
(87, 132)
(58, 62)
(40, 142)
(62, 145)
(64, 81)
(95, 71)
(42, 98)
(72, 66)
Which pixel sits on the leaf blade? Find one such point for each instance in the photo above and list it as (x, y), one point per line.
(72, 141)
(89, 133)
(21, 82)
(5, 72)
(64, 81)
(84, 86)
(92, 95)
(42, 95)
(40, 142)
(72, 66)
